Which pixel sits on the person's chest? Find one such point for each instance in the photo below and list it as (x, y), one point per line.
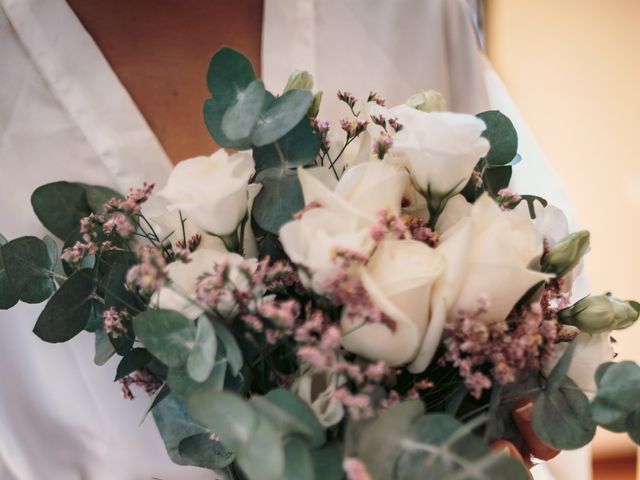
(160, 52)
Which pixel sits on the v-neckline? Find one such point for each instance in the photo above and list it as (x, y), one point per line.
(88, 89)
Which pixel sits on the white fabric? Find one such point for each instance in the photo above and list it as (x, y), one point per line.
(398, 48)
(64, 115)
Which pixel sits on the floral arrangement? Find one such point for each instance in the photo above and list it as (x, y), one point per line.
(365, 300)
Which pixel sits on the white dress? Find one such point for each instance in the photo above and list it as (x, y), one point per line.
(65, 115)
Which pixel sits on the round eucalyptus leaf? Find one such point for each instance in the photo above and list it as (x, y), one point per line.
(561, 417)
(28, 268)
(285, 422)
(3, 240)
(297, 148)
(202, 451)
(104, 349)
(8, 298)
(68, 311)
(495, 179)
(262, 457)
(52, 249)
(181, 382)
(632, 425)
(230, 346)
(203, 355)
(379, 444)
(327, 462)
(214, 110)
(59, 206)
(97, 196)
(618, 394)
(298, 461)
(502, 136)
(280, 197)
(226, 414)
(167, 334)
(174, 425)
(238, 120)
(132, 361)
(281, 116)
(229, 71)
(296, 407)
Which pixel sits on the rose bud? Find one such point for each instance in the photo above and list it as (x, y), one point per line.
(566, 254)
(600, 314)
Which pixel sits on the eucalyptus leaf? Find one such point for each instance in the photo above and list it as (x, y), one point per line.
(439, 446)
(214, 110)
(281, 116)
(69, 309)
(297, 148)
(262, 457)
(175, 425)
(296, 407)
(285, 422)
(561, 417)
(229, 71)
(96, 319)
(117, 296)
(632, 425)
(618, 394)
(104, 349)
(232, 350)
(52, 249)
(327, 462)
(495, 179)
(280, 197)
(3, 240)
(559, 372)
(97, 196)
(379, 443)
(501, 135)
(181, 382)
(8, 298)
(201, 450)
(59, 206)
(228, 415)
(167, 334)
(28, 269)
(240, 117)
(298, 461)
(132, 361)
(203, 355)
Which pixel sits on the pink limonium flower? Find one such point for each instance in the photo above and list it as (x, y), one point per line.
(151, 273)
(132, 203)
(382, 145)
(508, 199)
(118, 223)
(355, 469)
(112, 321)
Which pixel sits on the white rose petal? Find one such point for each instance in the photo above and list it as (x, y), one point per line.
(211, 191)
(398, 278)
(487, 253)
(439, 149)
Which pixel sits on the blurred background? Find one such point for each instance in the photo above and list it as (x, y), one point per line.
(573, 69)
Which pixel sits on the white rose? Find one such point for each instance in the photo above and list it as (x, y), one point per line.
(317, 389)
(487, 253)
(363, 190)
(180, 293)
(211, 191)
(456, 208)
(439, 149)
(398, 277)
(168, 224)
(591, 351)
(311, 241)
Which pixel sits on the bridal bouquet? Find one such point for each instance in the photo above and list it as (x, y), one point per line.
(363, 300)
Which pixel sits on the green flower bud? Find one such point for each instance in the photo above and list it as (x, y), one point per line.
(429, 101)
(299, 79)
(599, 314)
(315, 105)
(566, 254)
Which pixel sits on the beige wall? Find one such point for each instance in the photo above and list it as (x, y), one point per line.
(573, 68)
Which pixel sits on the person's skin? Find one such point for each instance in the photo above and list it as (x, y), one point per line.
(160, 50)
